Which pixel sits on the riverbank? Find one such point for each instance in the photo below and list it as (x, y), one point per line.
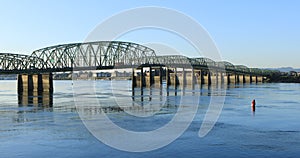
(285, 79)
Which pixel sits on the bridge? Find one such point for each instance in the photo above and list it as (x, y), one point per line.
(35, 70)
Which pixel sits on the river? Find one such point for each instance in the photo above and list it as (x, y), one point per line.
(273, 130)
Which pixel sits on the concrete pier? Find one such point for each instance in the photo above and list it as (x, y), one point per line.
(186, 76)
(172, 77)
(199, 77)
(146, 79)
(35, 89)
(206, 78)
(226, 79)
(248, 79)
(214, 78)
(232, 79)
(28, 83)
(221, 78)
(241, 78)
(254, 79)
(259, 79)
(138, 78)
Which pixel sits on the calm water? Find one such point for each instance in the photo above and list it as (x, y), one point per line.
(57, 131)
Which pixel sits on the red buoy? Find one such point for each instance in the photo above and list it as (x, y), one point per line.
(253, 105)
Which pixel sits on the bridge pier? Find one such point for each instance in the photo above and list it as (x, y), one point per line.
(138, 80)
(147, 79)
(220, 78)
(232, 79)
(248, 79)
(206, 77)
(216, 78)
(213, 78)
(199, 77)
(172, 78)
(254, 79)
(155, 77)
(35, 83)
(241, 78)
(259, 79)
(189, 78)
(184, 77)
(226, 79)
(35, 89)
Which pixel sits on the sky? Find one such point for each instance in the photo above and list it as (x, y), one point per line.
(264, 34)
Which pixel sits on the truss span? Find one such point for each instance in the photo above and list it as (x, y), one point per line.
(95, 55)
(107, 55)
(17, 62)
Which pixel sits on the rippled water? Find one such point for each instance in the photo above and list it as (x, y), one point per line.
(57, 131)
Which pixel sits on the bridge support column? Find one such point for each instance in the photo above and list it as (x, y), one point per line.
(47, 82)
(220, 78)
(226, 79)
(254, 79)
(232, 79)
(193, 78)
(158, 77)
(138, 80)
(198, 77)
(149, 78)
(35, 83)
(133, 78)
(167, 77)
(189, 77)
(142, 77)
(33, 87)
(183, 77)
(259, 79)
(241, 78)
(214, 78)
(248, 78)
(207, 78)
(237, 79)
(174, 79)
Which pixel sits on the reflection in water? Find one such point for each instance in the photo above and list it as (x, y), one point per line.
(148, 100)
(141, 98)
(155, 99)
(35, 98)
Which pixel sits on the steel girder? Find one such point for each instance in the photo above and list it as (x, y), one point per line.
(205, 62)
(94, 54)
(242, 69)
(227, 65)
(183, 61)
(17, 62)
(173, 60)
(109, 54)
(256, 71)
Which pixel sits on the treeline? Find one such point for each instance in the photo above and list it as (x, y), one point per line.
(283, 78)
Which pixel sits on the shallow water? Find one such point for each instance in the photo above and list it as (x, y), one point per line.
(57, 130)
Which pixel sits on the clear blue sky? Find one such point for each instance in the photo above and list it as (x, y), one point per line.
(255, 33)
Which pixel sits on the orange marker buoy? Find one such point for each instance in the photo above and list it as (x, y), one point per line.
(253, 105)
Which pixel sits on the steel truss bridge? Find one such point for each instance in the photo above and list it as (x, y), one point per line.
(107, 55)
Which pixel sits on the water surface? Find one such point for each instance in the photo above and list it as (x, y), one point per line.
(57, 130)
